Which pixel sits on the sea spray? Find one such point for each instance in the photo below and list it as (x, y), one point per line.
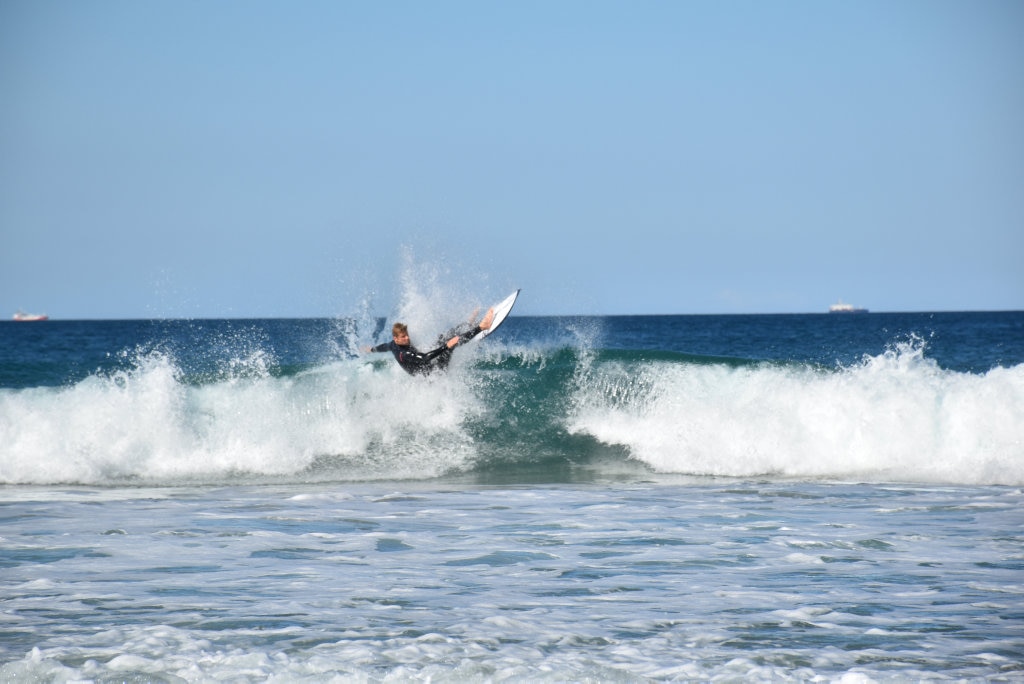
(435, 296)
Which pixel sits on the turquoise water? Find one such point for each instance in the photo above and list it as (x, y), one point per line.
(613, 499)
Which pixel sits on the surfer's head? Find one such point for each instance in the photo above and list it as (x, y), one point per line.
(400, 333)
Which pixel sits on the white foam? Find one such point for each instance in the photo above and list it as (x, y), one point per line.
(893, 417)
(147, 425)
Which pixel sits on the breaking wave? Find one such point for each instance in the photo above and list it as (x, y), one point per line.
(543, 411)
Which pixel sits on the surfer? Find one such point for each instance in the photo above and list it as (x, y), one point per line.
(416, 362)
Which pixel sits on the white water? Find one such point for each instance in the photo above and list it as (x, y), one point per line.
(147, 425)
(896, 417)
(893, 417)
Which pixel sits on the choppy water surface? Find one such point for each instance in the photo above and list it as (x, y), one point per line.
(612, 582)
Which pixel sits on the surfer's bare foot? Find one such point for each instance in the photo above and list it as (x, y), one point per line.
(485, 322)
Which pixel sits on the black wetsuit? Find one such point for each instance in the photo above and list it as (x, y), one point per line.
(416, 362)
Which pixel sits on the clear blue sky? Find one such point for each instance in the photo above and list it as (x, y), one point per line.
(249, 158)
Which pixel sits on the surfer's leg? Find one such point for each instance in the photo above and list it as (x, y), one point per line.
(485, 322)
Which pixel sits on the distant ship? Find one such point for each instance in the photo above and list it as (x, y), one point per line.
(843, 307)
(22, 316)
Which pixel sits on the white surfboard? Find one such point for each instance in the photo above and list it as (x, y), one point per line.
(501, 311)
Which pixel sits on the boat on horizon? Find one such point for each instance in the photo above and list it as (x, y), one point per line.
(22, 316)
(843, 307)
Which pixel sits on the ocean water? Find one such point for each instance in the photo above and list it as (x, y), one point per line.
(639, 498)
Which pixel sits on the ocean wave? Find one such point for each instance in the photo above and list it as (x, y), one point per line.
(154, 424)
(896, 416)
(528, 412)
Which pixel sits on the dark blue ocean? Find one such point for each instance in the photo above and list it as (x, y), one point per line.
(640, 498)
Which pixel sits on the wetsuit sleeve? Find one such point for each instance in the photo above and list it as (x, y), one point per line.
(381, 347)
